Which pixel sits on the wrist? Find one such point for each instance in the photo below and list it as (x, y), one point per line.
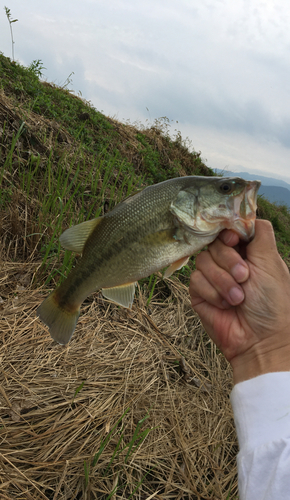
(260, 359)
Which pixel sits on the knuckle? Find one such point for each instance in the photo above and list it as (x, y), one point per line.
(221, 278)
(201, 258)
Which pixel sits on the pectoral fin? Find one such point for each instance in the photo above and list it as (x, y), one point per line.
(122, 295)
(75, 237)
(175, 266)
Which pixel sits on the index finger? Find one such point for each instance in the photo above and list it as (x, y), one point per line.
(229, 259)
(229, 237)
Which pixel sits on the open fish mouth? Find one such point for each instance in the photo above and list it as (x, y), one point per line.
(245, 207)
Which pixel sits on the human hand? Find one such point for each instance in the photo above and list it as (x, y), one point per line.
(244, 304)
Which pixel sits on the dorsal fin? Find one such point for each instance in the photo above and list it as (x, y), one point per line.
(75, 237)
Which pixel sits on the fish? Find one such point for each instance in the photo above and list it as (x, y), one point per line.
(158, 227)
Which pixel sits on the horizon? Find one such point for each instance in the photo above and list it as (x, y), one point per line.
(261, 173)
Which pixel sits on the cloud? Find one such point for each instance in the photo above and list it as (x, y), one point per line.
(216, 66)
(237, 151)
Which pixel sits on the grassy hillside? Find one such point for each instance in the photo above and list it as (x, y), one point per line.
(137, 405)
(62, 161)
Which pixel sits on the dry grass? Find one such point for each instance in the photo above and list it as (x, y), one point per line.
(154, 361)
(127, 359)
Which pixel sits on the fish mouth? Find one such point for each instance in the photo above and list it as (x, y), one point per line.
(245, 229)
(245, 207)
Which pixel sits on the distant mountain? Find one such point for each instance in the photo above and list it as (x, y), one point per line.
(266, 181)
(275, 190)
(276, 194)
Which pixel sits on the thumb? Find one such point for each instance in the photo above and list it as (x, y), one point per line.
(264, 242)
(263, 252)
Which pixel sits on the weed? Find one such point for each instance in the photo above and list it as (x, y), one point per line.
(78, 389)
(68, 81)
(10, 20)
(137, 439)
(151, 288)
(105, 441)
(87, 473)
(36, 68)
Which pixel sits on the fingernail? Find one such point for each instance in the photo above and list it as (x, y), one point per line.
(240, 272)
(236, 295)
(227, 237)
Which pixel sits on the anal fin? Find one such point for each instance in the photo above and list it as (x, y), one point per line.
(122, 295)
(175, 266)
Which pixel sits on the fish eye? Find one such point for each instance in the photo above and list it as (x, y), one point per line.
(226, 187)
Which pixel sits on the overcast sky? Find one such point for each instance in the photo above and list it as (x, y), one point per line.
(220, 68)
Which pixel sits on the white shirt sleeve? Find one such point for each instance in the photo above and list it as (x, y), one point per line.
(262, 416)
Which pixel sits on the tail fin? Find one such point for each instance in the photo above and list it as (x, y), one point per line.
(61, 322)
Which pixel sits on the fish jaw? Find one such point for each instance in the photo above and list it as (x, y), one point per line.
(245, 229)
(244, 209)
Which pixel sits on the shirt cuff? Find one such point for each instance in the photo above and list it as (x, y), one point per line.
(261, 408)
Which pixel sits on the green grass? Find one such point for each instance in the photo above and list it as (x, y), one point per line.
(118, 431)
(279, 216)
(62, 162)
(57, 197)
(155, 154)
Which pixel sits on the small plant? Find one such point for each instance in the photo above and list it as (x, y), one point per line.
(137, 439)
(36, 68)
(68, 81)
(78, 389)
(10, 20)
(151, 287)
(87, 473)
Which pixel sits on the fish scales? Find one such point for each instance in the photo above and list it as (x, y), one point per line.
(117, 240)
(119, 234)
(160, 226)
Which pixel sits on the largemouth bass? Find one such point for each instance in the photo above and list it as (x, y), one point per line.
(160, 226)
